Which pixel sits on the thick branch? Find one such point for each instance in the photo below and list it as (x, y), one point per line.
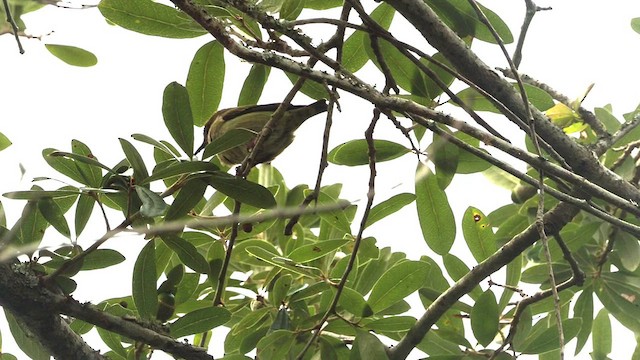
(35, 307)
(441, 37)
(554, 220)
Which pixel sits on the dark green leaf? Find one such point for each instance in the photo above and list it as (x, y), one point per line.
(601, 336)
(338, 218)
(176, 111)
(367, 346)
(84, 208)
(29, 229)
(150, 18)
(254, 85)
(397, 283)
(187, 253)
(544, 338)
(54, 215)
(144, 282)
(354, 55)
(199, 321)
(113, 341)
(102, 258)
(538, 97)
(205, 82)
(620, 295)
(434, 212)
(445, 158)
(584, 310)
(291, 9)
(457, 269)
(310, 88)
(190, 194)
(41, 194)
(355, 152)
(461, 18)
(315, 250)
(152, 203)
(284, 263)
(140, 172)
(485, 318)
(82, 156)
(63, 165)
(276, 345)
(246, 192)
(391, 324)
(72, 55)
(25, 340)
(228, 140)
(389, 207)
(181, 168)
(166, 148)
(478, 234)
(353, 302)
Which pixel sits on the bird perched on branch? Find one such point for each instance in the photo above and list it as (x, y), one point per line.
(253, 118)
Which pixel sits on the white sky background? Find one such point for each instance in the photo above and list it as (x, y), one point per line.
(46, 103)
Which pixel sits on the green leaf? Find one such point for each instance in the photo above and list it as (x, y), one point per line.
(150, 18)
(181, 168)
(322, 4)
(445, 157)
(245, 191)
(276, 345)
(635, 25)
(620, 295)
(205, 81)
(140, 172)
(389, 206)
(291, 9)
(512, 278)
(284, 263)
(30, 228)
(485, 317)
(152, 203)
(4, 142)
(544, 338)
(523, 329)
(584, 310)
(41, 194)
(628, 249)
(315, 250)
(280, 289)
(25, 340)
(254, 85)
(63, 165)
(338, 218)
(434, 212)
(102, 258)
(397, 283)
(87, 163)
(461, 18)
(228, 140)
(176, 111)
(356, 152)
(113, 341)
(187, 253)
(391, 324)
(478, 234)
(367, 346)
(199, 321)
(310, 88)
(467, 162)
(601, 335)
(354, 55)
(72, 55)
(538, 97)
(144, 282)
(353, 302)
(457, 269)
(188, 196)
(54, 215)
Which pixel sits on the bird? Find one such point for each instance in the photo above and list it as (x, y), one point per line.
(254, 118)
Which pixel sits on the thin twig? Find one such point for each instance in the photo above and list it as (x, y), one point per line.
(358, 239)
(14, 26)
(530, 12)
